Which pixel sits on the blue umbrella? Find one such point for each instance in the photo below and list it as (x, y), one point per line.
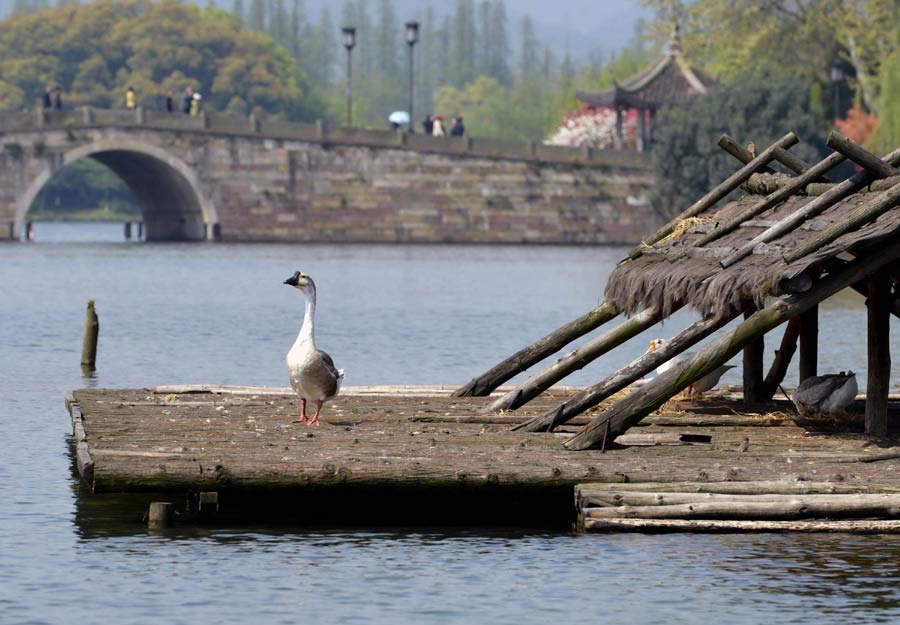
(399, 117)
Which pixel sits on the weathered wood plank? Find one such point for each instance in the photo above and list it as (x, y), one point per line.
(834, 507)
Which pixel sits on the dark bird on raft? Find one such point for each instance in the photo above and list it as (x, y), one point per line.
(825, 394)
(313, 374)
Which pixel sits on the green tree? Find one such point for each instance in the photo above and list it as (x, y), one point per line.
(760, 106)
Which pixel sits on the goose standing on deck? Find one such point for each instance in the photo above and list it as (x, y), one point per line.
(312, 371)
(825, 394)
(702, 385)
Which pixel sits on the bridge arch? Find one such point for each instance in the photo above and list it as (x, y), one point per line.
(167, 190)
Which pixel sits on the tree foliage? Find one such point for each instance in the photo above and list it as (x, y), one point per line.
(756, 107)
(96, 51)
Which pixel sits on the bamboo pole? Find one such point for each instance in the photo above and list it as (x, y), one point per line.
(585, 491)
(576, 359)
(860, 156)
(537, 351)
(650, 397)
(869, 211)
(594, 394)
(879, 376)
(91, 334)
(776, 197)
(789, 223)
(706, 526)
(783, 356)
(717, 193)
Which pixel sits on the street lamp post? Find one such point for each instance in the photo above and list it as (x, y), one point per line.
(349, 37)
(837, 75)
(412, 36)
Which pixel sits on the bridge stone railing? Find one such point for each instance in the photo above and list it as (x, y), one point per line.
(89, 117)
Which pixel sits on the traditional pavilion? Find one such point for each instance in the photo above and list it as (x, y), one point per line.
(671, 81)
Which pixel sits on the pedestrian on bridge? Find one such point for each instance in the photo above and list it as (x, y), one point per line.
(57, 98)
(170, 103)
(130, 99)
(187, 98)
(48, 95)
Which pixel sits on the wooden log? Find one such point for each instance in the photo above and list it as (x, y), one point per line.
(869, 211)
(781, 155)
(91, 333)
(754, 383)
(576, 359)
(160, 514)
(879, 376)
(809, 343)
(594, 394)
(860, 156)
(707, 526)
(783, 356)
(793, 508)
(651, 396)
(586, 490)
(777, 197)
(837, 193)
(537, 351)
(717, 193)
(616, 499)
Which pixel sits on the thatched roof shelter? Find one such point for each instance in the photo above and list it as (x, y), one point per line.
(772, 256)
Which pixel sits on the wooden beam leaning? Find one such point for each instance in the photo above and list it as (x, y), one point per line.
(781, 155)
(576, 359)
(837, 193)
(537, 351)
(594, 394)
(783, 356)
(860, 156)
(869, 211)
(655, 393)
(717, 193)
(775, 198)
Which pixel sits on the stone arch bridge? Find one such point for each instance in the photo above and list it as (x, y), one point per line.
(217, 177)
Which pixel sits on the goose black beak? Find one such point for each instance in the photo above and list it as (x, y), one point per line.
(292, 280)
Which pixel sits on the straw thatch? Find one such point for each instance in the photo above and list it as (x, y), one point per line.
(678, 272)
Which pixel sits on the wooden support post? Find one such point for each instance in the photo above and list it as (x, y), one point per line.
(91, 333)
(809, 343)
(655, 393)
(160, 514)
(782, 358)
(879, 377)
(537, 351)
(754, 384)
(576, 359)
(724, 188)
(618, 139)
(127, 230)
(642, 132)
(594, 394)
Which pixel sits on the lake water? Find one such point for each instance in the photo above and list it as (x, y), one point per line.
(219, 313)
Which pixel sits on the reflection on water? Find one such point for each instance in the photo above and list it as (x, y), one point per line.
(175, 313)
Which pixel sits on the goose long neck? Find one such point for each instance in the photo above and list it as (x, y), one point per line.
(307, 330)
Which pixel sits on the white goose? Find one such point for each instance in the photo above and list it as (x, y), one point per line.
(313, 374)
(702, 385)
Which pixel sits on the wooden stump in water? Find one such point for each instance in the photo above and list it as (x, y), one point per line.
(91, 333)
(160, 514)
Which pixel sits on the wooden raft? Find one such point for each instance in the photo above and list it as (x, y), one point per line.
(421, 440)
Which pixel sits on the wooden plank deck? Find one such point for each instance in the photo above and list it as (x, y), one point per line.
(384, 441)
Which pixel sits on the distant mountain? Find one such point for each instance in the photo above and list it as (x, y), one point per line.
(586, 28)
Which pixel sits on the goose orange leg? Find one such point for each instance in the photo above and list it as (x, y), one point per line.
(303, 418)
(315, 419)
